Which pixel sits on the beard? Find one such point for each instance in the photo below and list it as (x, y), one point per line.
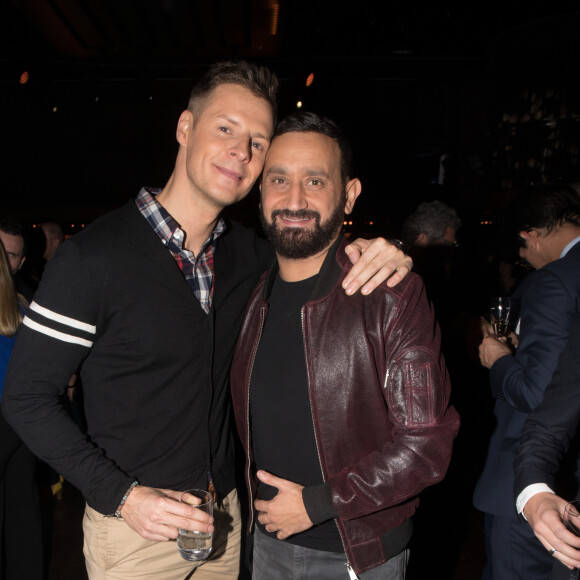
(295, 243)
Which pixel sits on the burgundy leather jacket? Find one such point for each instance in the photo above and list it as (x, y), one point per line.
(379, 393)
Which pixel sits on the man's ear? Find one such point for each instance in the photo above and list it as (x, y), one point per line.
(531, 238)
(184, 126)
(422, 239)
(353, 189)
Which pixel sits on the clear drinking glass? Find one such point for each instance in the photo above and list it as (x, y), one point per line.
(571, 520)
(192, 545)
(499, 314)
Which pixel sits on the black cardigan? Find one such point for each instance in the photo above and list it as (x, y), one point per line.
(155, 366)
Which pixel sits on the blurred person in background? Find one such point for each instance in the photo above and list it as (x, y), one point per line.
(430, 233)
(454, 285)
(545, 219)
(13, 239)
(54, 238)
(21, 553)
(432, 223)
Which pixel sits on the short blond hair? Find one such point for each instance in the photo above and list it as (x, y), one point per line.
(258, 79)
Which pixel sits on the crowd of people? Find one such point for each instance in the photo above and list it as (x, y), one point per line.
(314, 386)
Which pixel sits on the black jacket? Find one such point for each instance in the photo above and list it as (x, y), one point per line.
(551, 426)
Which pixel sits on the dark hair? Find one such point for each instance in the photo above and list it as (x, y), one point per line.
(14, 228)
(430, 218)
(313, 123)
(545, 206)
(258, 79)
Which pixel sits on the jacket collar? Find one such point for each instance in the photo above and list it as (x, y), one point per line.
(329, 274)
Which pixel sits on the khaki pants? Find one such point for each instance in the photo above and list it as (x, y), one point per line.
(113, 551)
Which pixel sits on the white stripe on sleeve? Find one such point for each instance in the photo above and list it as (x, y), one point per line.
(56, 334)
(90, 328)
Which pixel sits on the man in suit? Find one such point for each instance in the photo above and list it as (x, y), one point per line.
(546, 219)
(545, 440)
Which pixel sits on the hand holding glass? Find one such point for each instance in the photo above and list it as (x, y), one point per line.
(192, 545)
(499, 312)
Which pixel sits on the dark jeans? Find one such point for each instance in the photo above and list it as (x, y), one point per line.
(21, 547)
(284, 561)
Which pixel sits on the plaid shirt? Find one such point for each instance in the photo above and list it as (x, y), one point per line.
(198, 270)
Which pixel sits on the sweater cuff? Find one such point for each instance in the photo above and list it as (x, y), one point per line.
(318, 503)
(106, 498)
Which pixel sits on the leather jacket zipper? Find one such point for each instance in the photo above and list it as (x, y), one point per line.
(351, 572)
(387, 375)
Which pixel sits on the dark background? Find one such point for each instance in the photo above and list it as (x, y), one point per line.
(492, 89)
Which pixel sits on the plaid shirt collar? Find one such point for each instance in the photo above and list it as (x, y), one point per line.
(198, 270)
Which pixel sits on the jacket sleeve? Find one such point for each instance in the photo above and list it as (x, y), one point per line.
(551, 426)
(416, 389)
(547, 310)
(58, 332)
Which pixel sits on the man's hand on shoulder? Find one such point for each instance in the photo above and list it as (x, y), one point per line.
(544, 513)
(285, 514)
(156, 514)
(374, 261)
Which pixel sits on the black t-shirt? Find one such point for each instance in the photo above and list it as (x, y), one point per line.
(280, 413)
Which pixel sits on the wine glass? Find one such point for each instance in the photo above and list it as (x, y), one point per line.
(571, 520)
(499, 312)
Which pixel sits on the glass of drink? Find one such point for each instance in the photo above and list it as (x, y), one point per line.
(572, 522)
(499, 313)
(192, 545)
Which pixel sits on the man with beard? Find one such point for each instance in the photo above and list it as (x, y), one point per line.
(341, 404)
